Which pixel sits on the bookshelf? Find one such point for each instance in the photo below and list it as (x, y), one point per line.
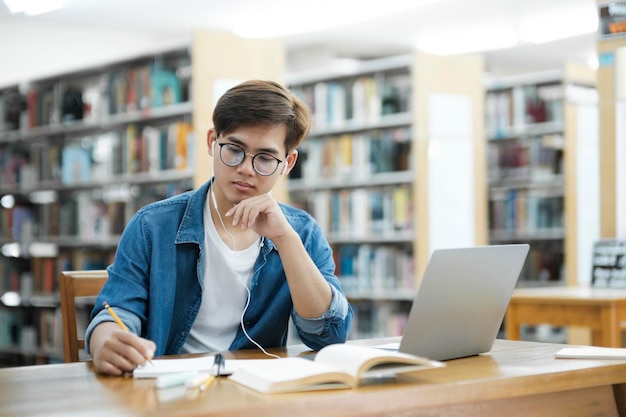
(364, 173)
(539, 127)
(88, 149)
(82, 151)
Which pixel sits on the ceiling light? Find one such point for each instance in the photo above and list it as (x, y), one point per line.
(296, 17)
(593, 62)
(11, 250)
(11, 299)
(472, 41)
(549, 28)
(33, 7)
(7, 201)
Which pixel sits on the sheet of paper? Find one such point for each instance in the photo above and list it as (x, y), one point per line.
(200, 364)
(591, 352)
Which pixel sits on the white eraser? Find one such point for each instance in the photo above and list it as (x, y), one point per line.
(172, 380)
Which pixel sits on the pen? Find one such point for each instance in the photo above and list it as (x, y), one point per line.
(120, 322)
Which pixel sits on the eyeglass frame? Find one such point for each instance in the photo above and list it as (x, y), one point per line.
(245, 154)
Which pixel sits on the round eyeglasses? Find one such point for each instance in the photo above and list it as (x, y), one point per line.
(263, 163)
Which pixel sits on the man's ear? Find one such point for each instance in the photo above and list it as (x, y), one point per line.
(211, 138)
(290, 162)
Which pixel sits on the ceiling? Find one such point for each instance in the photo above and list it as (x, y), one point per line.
(389, 33)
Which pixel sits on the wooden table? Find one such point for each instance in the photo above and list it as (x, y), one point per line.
(601, 310)
(515, 379)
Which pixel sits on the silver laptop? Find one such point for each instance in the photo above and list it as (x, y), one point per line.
(461, 301)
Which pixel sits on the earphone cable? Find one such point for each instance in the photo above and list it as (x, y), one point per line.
(248, 295)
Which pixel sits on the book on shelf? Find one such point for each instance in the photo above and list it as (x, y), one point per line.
(336, 104)
(334, 366)
(22, 223)
(166, 86)
(3, 123)
(357, 213)
(31, 108)
(44, 273)
(182, 138)
(366, 103)
(357, 157)
(76, 164)
(95, 98)
(525, 210)
(375, 320)
(51, 330)
(365, 268)
(12, 322)
(320, 105)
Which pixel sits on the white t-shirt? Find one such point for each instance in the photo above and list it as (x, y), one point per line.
(224, 297)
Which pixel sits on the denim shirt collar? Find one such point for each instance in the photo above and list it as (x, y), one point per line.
(189, 232)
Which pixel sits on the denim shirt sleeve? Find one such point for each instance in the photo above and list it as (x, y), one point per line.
(130, 320)
(338, 310)
(334, 325)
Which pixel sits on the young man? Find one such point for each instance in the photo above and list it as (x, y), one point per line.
(225, 266)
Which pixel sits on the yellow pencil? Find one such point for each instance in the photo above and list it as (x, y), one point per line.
(207, 382)
(115, 317)
(120, 323)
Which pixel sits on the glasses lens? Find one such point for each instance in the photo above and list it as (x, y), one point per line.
(232, 155)
(265, 164)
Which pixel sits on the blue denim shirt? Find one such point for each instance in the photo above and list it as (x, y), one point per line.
(156, 280)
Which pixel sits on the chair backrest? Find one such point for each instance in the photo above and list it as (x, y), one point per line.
(73, 285)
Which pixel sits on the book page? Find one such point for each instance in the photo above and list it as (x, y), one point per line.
(290, 374)
(358, 360)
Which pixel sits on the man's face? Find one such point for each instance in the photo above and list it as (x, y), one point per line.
(235, 183)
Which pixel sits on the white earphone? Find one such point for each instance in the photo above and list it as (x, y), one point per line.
(213, 158)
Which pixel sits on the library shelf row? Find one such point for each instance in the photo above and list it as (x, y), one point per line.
(373, 180)
(85, 151)
(132, 149)
(354, 176)
(374, 318)
(33, 330)
(81, 151)
(514, 235)
(47, 191)
(102, 123)
(361, 174)
(533, 128)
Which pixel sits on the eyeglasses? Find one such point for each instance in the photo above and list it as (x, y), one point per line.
(234, 155)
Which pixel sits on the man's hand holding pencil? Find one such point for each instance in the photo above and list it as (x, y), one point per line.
(119, 350)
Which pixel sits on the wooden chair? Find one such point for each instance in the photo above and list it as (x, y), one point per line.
(73, 285)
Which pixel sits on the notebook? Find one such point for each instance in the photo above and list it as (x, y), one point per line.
(461, 302)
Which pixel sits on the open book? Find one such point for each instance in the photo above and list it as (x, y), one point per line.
(334, 366)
